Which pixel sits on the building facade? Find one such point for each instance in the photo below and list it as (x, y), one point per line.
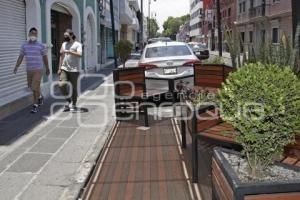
(134, 29)
(196, 11)
(263, 20)
(51, 18)
(208, 21)
(184, 33)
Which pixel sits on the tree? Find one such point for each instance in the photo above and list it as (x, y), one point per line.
(153, 27)
(123, 50)
(171, 25)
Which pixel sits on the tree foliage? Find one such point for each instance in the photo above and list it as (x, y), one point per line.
(153, 27)
(171, 25)
(123, 50)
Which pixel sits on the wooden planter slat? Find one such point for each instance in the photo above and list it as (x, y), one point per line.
(290, 161)
(220, 183)
(282, 196)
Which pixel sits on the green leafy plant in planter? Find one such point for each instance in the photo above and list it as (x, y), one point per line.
(215, 60)
(200, 98)
(123, 50)
(262, 102)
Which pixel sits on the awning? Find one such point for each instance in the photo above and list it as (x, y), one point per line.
(135, 24)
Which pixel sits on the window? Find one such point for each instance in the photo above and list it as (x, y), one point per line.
(240, 7)
(263, 36)
(244, 6)
(243, 41)
(229, 12)
(275, 35)
(251, 3)
(243, 36)
(250, 36)
(166, 51)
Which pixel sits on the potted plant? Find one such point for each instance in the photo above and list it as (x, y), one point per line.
(123, 50)
(262, 102)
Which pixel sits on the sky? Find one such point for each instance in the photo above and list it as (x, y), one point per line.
(166, 8)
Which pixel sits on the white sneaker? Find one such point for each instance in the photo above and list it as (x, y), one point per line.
(73, 108)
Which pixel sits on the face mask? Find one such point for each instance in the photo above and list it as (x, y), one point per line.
(67, 39)
(32, 38)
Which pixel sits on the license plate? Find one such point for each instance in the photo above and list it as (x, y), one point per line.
(169, 71)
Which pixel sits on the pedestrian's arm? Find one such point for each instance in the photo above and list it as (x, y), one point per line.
(78, 54)
(46, 62)
(78, 51)
(61, 59)
(19, 62)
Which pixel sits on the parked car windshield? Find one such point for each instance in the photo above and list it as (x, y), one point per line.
(167, 51)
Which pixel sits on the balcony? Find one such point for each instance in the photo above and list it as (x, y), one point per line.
(258, 11)
(134, 4)
(125, 13)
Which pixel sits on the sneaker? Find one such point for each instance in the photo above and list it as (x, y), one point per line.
(41, 100)
(34, 108)
(66, 108)
(73, 108)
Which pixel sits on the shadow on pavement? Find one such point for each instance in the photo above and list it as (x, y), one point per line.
(22, 122)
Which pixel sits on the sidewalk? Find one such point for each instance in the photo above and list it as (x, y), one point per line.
(50, 157)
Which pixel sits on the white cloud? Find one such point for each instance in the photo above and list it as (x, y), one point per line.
(166, 8)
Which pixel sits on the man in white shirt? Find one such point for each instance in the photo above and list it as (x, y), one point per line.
(69, 68)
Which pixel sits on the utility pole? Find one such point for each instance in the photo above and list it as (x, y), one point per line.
(113, 31)
(142, 24)
(296, 16)
(219, 27)
(149, 19)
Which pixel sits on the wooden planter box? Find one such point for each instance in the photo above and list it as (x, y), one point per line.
(227, 186)
(211, 75)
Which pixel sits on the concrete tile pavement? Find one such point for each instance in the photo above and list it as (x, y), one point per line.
(53, 160)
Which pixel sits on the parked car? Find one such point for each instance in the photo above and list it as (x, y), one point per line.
(133, 61)
(159, 39)
(163, 60)
(200, 50)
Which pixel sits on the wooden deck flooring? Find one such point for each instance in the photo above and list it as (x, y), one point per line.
(142, 164)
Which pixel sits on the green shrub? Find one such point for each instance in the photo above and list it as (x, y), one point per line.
(123, 50)
(214, 60)
(263, 103)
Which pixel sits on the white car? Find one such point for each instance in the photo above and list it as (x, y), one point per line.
(167, 60)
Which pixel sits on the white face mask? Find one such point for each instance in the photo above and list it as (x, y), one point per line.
(32, 38)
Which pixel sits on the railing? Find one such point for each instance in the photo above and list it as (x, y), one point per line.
(258, 11)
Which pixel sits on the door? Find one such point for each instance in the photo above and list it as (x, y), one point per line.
(12, 36)
(59, 23)
(109, 44)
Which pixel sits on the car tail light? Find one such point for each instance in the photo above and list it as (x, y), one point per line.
(147, 66)
(191, 62)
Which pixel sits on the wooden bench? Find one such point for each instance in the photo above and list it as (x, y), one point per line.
(130, 89)
(207, 77)
(131, 95)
